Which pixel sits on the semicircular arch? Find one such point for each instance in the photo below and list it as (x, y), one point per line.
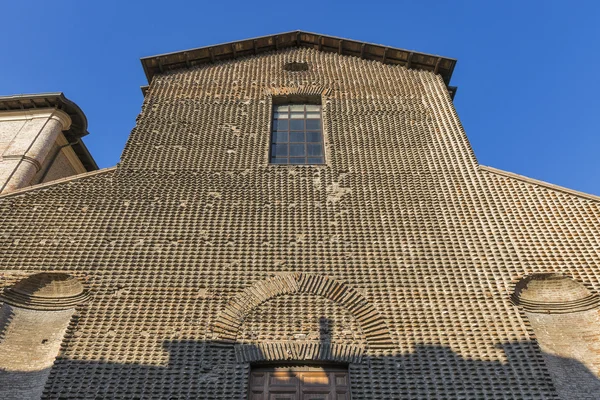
(372, 323)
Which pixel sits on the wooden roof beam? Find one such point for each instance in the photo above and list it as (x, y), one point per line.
(437, 65)
(157, 64)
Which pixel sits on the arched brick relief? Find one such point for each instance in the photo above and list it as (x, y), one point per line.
(292, 351)
(376, 331)
(564, 317)
(553, 293)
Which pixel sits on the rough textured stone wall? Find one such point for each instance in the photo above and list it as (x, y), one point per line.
(399, 238)
(29, 343)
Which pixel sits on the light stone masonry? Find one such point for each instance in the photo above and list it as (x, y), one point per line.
(26, 138)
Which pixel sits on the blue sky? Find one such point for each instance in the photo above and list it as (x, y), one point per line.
(528, 85)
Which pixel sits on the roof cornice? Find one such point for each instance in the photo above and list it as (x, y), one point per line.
(537, 182)
(388, 55)
(42, 186)
(56, 100)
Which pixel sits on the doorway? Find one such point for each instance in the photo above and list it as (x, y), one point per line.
(299, 383)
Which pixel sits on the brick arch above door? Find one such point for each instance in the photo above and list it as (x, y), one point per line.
(374, 326)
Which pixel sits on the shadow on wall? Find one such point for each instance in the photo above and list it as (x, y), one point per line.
(213, 370)
(208, 370)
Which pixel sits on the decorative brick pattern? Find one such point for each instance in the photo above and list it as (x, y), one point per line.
(194, 217)
(289, 351)
(374, 327)
(551, 293)
(304, 317)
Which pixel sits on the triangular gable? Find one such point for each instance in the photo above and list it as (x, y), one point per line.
(389, 55)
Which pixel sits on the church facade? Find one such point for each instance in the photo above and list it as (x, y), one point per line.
(299, 216)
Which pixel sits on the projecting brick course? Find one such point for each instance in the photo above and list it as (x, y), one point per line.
(407, 241)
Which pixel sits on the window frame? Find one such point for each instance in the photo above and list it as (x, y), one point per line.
(304, 101)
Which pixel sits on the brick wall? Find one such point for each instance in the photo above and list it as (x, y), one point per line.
(194, 223)
(29, 145)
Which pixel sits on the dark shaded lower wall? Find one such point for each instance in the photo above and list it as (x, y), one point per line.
(572, 379)
(205, 370)
(15, 385)
(572, 351)
(29, 343)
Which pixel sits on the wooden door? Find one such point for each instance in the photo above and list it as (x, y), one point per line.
(299, 383)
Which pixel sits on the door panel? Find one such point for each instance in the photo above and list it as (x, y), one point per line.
(299, 383)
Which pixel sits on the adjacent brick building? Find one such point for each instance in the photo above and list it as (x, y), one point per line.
(390, 265)
(40, 140)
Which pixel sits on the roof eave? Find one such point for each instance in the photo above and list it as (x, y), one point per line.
(79, 122)
(443, 66)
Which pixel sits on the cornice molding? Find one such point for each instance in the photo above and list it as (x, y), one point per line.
(24, 115)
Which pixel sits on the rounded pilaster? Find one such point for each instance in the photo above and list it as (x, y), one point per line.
(33, 321)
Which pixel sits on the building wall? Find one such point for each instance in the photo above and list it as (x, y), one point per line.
(572, 350)
(29, 146)
(61, 162)
(29, 343)
(397, 257)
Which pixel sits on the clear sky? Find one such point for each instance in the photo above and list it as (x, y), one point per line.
(528, 86)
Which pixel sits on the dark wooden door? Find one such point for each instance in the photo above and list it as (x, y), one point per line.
(299, 383)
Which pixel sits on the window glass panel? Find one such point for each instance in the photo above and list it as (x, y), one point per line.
(314, 149)
(296, 124)
(296, 136)
(313, 136)
(278, 150)
(280, 125)
(313, 124)
(297, 150)
(282, 137)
